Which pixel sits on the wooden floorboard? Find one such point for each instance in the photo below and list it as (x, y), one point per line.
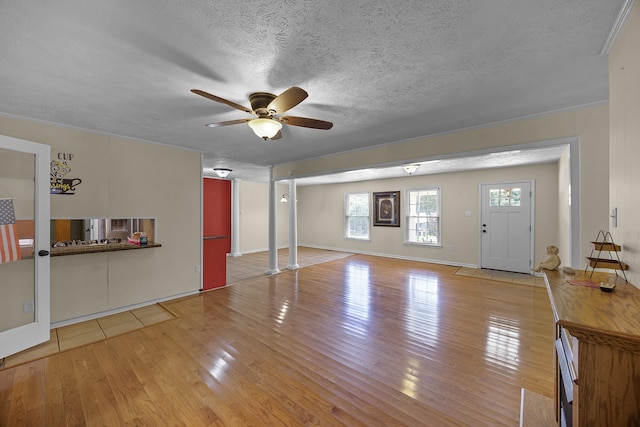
(358, 341)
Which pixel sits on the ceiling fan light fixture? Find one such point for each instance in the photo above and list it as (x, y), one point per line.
(410, 169)
(265, 128)
(222, 172)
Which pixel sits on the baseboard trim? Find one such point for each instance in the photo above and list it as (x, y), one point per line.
(394, 256)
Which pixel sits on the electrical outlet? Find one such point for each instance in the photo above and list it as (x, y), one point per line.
(197, 268)
(27, 306)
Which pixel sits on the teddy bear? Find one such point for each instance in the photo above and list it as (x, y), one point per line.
(551, 262)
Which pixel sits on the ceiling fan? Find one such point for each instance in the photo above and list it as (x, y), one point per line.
(267, 108)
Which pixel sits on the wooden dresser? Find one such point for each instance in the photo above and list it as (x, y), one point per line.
(597, 350)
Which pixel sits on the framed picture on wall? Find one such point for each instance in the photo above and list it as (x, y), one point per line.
(386, 208)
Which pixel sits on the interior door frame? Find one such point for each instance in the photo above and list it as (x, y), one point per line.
(532, 219)
(26, 336)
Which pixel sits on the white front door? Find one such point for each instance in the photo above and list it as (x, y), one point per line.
(24, 244)
(505, 226)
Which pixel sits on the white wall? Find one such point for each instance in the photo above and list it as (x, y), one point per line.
(589, 125)
(624, 179)
(122, 178)
(254, 216)
(321, 214)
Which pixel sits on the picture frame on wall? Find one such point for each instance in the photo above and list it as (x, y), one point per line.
(386, 209)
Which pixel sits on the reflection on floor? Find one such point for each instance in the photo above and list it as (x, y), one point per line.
(79, 334)
(238, 269)
(501, 276)
(256, 264)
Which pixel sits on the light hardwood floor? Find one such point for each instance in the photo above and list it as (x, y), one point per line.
(252, 265)
(360, 341)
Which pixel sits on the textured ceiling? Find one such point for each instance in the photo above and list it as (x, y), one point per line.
(381, 71)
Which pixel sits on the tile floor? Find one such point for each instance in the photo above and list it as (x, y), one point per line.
(79, 334)
(256, 264)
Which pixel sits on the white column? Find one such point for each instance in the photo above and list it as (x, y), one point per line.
(293, 226)
(235, 217)
(273, 235)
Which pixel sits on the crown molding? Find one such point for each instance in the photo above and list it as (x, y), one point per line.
(617, 26)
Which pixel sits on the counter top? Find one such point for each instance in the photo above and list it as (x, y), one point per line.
(98, 248)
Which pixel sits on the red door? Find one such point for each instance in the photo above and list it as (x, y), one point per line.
(216, 232)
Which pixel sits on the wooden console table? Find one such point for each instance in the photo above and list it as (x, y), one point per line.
(597, 350)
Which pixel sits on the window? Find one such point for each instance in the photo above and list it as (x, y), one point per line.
(356, 207)
(505, 196)
(423, 216)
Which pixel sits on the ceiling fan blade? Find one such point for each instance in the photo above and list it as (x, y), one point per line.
(306, 122)
(229, 122)
(287, 100)
(221, 100)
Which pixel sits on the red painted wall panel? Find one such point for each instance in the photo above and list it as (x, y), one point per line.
(217, 208)
(216, 213)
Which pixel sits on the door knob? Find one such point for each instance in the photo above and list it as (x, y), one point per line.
(43, 253)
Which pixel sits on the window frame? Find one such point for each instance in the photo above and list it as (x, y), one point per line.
(408, 216)
(347, 216)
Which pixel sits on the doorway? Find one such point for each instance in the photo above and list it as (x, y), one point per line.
(506, 229)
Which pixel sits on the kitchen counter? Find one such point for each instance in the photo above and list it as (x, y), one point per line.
(98, 248)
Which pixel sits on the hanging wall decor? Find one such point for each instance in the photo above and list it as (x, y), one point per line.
(61, 182)
(386, 208)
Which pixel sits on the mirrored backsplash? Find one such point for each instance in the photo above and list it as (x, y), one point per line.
(100, 230)
(88, 231)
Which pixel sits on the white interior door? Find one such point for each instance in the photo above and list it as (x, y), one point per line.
(506, 227)
(24, 244)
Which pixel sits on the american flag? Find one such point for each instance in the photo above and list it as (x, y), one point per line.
(9, 244)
